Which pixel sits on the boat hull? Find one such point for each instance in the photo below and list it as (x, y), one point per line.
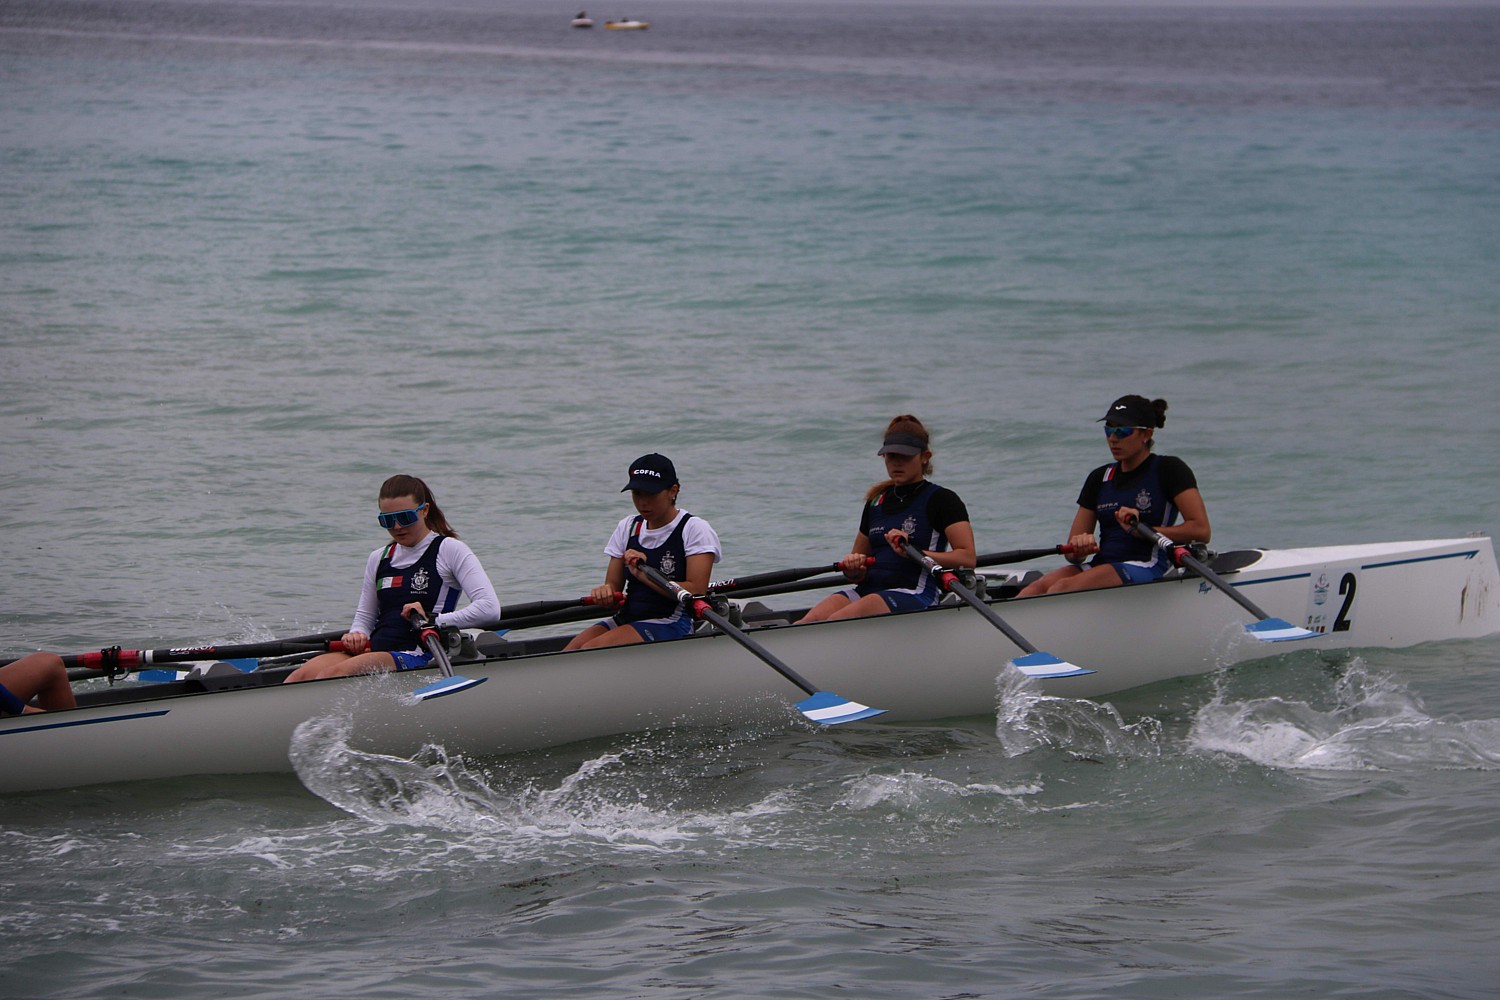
(940, 663)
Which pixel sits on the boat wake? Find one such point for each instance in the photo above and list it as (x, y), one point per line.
(1027, 720)
(1372, 723)
(929, 799)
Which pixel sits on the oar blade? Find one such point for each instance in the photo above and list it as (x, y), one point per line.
(447, 685)
(1046, 665)
(829, 709)
(1278, 630)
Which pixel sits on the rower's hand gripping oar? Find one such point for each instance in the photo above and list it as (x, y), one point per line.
(450, 683)
(1035, 663)
(1265, 628)
(823, 707)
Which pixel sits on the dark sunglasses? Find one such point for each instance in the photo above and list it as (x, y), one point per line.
(400, 518)
(1120, 433)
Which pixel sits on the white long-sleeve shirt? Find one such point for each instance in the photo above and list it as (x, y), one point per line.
(458, 568)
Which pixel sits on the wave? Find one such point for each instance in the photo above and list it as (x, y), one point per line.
(602, 802)
(1028, 720)
(1374, 723)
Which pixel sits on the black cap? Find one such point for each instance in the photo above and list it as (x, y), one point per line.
(902, 444)
(651, 474)
(1130, 411)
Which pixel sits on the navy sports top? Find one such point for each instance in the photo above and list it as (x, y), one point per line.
(1150, 488)
(642, 602)
(925, 517)
(396, 588)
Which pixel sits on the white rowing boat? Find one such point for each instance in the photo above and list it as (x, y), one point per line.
(943, 662)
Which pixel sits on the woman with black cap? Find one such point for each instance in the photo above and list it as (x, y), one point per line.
(904, 507)
(1138, 484)
(676, 544)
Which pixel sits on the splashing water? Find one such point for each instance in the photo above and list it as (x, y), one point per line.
(601, 802)
(1027, 720)
(1375, 723)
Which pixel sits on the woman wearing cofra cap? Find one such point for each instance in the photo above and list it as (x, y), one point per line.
(1138, 484)
(906, 506)
(678, 545)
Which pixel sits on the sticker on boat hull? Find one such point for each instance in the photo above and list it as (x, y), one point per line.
(1330, 599)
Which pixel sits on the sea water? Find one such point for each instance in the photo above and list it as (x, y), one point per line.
(257, 256)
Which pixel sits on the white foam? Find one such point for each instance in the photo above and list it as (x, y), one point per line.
(1028, 720)
(598, 804)
(1374, 723)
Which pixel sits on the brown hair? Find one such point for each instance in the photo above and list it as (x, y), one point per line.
(903, 424)
(411, 486)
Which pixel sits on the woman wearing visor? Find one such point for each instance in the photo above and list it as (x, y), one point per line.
(1138, 484)
(423, 571)
(678, 545)
(904, 507)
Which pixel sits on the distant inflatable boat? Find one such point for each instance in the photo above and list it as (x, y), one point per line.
(626, 25)
(582, 21)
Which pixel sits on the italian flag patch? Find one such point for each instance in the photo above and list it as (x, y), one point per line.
(386, 582)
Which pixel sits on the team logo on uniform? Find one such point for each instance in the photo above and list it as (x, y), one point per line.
(668, 565)
(1143, 501)
(419, 581)
(909, 525)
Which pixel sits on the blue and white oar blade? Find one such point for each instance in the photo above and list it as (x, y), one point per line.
(1277, 630)
(447, 685)
(829, 709)
(1047, 665)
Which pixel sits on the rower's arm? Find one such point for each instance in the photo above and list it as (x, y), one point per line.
(960, 554)
(1194, 526)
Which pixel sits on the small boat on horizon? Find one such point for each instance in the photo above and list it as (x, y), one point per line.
(582, 20)
(627, 24)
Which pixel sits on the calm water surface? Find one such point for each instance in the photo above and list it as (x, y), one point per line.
(255, 257)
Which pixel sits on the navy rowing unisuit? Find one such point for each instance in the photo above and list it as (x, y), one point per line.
(924, 515)
(1148, 488)
(396, 588)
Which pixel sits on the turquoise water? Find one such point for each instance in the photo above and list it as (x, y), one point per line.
(254, 257)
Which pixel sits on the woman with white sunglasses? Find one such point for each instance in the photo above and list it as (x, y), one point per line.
(422, 572)
(1159, 490)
